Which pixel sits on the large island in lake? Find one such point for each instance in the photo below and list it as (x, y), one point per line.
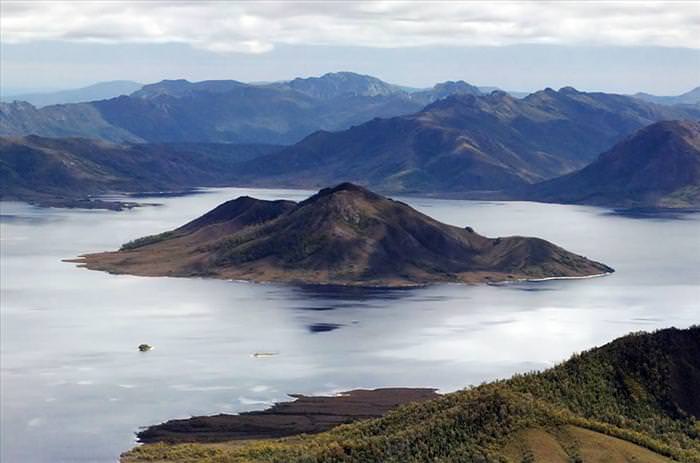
(345, 235)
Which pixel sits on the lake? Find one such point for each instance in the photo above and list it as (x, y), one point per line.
(75, 387)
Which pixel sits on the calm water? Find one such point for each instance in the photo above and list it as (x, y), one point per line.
(75, 388)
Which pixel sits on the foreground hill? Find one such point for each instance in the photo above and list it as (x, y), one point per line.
(225, 111)
(659, 166)
(465, 143)
(633, 400)
(61, 171)
(344, 235)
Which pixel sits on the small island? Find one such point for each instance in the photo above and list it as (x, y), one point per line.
(346, 235)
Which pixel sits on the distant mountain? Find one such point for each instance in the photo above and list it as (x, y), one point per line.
(465, 143)
(512, 93)
(20, 118)
(658, 166)
(61, 171)
(181, 88)
(632, 400)
(341, 84)
(443, 90)
(344, 235)
(225, 111)
(691, 97)
(98, 91)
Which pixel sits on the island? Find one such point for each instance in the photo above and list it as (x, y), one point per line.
(345, 235)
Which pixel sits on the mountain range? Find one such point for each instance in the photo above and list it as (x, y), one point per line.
(465, 143)
(658, 166)
(98, 91)
(632, 400)
(450, 140)
(344, 235)
(226, 110)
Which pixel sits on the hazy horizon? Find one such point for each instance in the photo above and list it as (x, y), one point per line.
(619, 47)
(510, 68)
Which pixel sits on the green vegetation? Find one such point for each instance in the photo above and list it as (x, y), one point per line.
(640, 389)
(146, 240)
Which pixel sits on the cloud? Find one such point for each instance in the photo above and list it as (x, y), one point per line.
(257, 27)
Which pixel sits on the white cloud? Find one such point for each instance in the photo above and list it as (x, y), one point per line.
(256, 27)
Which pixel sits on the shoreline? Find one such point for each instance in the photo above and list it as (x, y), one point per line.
(302, 415)
(479, 278)
(497, 196)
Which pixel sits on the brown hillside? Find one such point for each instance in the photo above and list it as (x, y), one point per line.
(344, 235)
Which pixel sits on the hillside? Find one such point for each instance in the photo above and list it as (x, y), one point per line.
(465, 143)
(658, 166)
(344, 235)
(632, 400)
(225, 111)
(61, 171)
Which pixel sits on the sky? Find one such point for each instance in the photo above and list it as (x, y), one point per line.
(621, 46)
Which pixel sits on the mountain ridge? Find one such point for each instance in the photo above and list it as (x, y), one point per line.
(464, 143)
(225, 111)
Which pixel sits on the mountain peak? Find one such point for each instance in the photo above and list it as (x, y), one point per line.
(345, 192)
(658, 166)
(345, 186)
(569, 91)
(335, 84)
(346, 75)
(681, 128)
(661, 139)
(450, 87)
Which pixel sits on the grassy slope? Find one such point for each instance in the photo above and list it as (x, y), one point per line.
(631, 400)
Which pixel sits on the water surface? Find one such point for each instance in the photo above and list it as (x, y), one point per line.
(76, 388)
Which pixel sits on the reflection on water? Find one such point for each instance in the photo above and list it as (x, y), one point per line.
(323, 327)
(76, 388)
(655, 214)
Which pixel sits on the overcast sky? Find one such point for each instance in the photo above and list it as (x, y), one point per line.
(623, 46)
